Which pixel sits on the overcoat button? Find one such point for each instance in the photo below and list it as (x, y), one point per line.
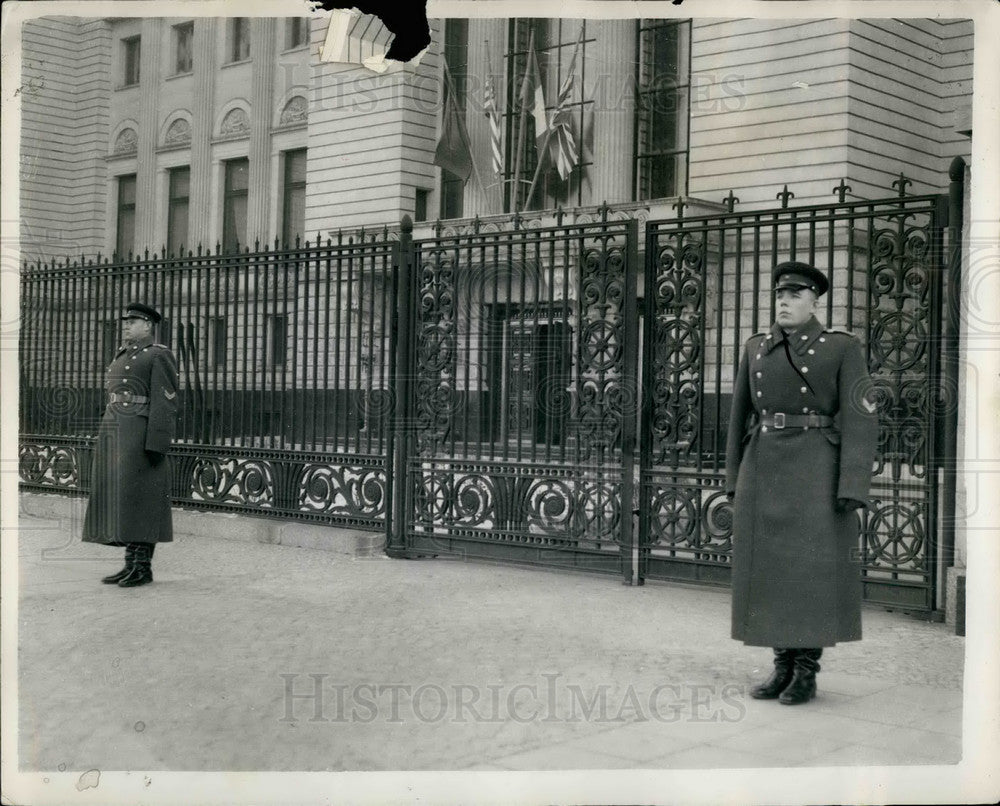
(805, 369)
(812, 352)
(758, 394)
(822, 338)
(804, 389)
(760, 374)
(804, 338)
(763, 428)
(805, 410)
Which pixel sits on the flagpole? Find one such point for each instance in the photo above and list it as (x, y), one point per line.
(462, 130)
(523, 123)
(489, 69)
(538, 166)
(551, 129)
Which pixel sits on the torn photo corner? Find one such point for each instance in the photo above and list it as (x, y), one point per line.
(365, 39)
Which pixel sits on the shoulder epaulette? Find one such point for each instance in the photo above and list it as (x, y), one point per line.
(157, 344)
(842, 331)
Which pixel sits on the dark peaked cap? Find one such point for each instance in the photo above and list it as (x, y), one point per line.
(794, 274)
(138, 310)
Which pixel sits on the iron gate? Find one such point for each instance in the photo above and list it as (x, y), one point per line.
(518, 427)
(527, 428)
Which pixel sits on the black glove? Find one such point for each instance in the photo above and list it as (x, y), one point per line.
(847, 504)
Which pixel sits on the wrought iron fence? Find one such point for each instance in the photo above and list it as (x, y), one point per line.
(285, 360)
(511, 408)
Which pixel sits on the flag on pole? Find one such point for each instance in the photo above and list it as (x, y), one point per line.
(562, 145)
(493, 116)
(531, 92)
(452, 153)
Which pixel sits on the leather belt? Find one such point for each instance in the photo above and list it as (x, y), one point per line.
(126, 397)
(779, 420)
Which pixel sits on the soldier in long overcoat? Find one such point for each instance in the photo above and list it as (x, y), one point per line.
(130, 493)
(799, 457)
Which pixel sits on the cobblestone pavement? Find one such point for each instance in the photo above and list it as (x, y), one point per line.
(242, 656)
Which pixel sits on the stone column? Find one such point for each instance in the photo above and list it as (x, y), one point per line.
(202, 124)
(149, 82)
(262, 51)
(611, 72)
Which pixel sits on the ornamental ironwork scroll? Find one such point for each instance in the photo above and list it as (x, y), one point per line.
(435, 393)
(675, 288)
(602, 391)
(899, 338)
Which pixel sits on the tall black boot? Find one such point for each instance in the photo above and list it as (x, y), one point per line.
(129, 560)
(784, 660)
(142, 568)
(803, 685)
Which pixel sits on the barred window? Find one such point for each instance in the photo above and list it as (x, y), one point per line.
(662, 108)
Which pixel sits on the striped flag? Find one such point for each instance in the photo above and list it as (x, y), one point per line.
(562, 146)
(493, 115)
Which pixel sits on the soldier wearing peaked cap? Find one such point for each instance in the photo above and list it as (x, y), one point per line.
(130, 493)
(800, 449)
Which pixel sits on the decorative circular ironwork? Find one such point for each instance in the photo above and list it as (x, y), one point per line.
(246, 482)
(550, 507)
(718, 511)
(53, 465)
(600, 505)
(437, 346)
(602, 345)
(895, 534)
(898, 340)
(674, 516)
(433, 497)
(474, 500)
(678, 345)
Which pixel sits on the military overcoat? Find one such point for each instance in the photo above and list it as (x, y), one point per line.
(131, 478)
(796, 578)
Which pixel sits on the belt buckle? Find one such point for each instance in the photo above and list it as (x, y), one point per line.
(779, 420)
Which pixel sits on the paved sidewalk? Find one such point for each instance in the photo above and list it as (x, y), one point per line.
(243, 656)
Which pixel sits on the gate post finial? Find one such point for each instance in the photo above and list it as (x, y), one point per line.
(841, 191)
(679, 206)
(785, 195)
(730, 201)
(901, 183)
